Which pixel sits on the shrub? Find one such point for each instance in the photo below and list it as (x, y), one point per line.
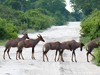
(7, 30)
(39, 21)
(91, 30)
(91, 25)
(97, 56)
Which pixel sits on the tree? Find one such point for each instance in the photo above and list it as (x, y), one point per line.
(34, 14)
(87, 6)
(38, 20)
(77, 15)
(56, 7)
(22, 5)
(91, 25)
(7, 30)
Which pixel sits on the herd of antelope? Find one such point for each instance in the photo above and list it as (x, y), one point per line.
(58, 46)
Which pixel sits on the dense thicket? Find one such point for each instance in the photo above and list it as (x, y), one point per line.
(32, 14)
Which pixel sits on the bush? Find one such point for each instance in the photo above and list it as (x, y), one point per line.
(39, 21)
(97, 56)
(91, 25)
(7, 30)
(91, 30)
(85, 39)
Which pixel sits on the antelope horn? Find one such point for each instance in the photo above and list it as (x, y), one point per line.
(39, 34)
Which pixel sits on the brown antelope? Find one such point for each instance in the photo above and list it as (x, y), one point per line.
(13, 43)
(72, 46)
(27, 44)
(91, 45)
(51, 46)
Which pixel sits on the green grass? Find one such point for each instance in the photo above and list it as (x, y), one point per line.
(2, 42)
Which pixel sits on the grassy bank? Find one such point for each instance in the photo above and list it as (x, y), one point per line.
(2, 42)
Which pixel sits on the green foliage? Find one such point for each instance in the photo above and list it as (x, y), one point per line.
(3, 42)
(87, 6)
(97, 56)
(91, 30)
(11, 15)
(91, 25)
(57, 8)
(85, 39)
(50, 5)
(22, 5)
(77, 15)
(19, 15)
(39, 21)
(7, 30)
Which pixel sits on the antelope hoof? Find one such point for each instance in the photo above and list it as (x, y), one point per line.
(33, 58)
(4, 58)
(62, 60)
(87, 60)
(16, 58)
(75, 61)
(55, 60)
(72, 60)
(23, 58)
